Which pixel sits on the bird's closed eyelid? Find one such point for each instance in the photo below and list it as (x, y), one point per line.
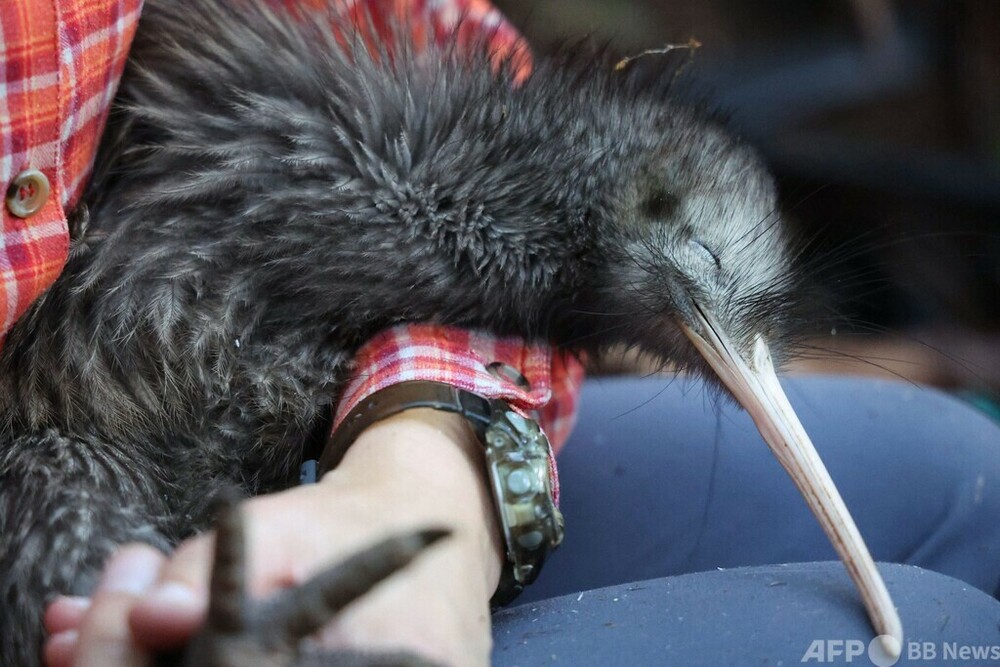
(704, 249)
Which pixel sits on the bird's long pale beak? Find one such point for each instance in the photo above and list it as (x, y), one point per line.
(755, 385)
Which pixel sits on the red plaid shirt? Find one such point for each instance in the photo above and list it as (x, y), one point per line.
(59, 66)
(60, 62)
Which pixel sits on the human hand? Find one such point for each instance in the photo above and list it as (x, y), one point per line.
(421, 468)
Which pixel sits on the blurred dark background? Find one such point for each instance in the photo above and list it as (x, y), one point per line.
(881, 121)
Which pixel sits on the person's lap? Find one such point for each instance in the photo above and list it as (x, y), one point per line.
(662, 480)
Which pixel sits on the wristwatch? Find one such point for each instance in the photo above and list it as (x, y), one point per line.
(517, 461)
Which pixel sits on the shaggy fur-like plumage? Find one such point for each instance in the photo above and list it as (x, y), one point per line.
(267, 198)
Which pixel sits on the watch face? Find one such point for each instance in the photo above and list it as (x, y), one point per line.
(517, 454)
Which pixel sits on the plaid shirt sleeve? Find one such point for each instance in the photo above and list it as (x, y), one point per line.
(461, 358)
(62, 60)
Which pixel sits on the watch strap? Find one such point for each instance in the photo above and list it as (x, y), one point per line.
(395, 399)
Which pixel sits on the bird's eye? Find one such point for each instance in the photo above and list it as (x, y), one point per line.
(707, 252)
(660, 205)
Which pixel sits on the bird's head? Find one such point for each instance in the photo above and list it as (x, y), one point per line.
(693, 234)
(690, 260)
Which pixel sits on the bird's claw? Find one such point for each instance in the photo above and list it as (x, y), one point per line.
(272, 633)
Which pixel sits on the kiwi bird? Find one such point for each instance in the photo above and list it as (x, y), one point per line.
(269, 194)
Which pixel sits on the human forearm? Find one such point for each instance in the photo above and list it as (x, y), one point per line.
(422, 468)
(427, 466)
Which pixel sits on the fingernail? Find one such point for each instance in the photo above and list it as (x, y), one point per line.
(131, 570)
(75, 602)
(173, 595)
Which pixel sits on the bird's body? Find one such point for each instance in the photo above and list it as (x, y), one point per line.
(268, 197)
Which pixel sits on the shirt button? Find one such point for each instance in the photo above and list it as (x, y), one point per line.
(27, 193)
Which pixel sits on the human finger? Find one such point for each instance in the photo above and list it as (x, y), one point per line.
(174, 608)
(60, 648)
(66, 612)
(104, 639)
